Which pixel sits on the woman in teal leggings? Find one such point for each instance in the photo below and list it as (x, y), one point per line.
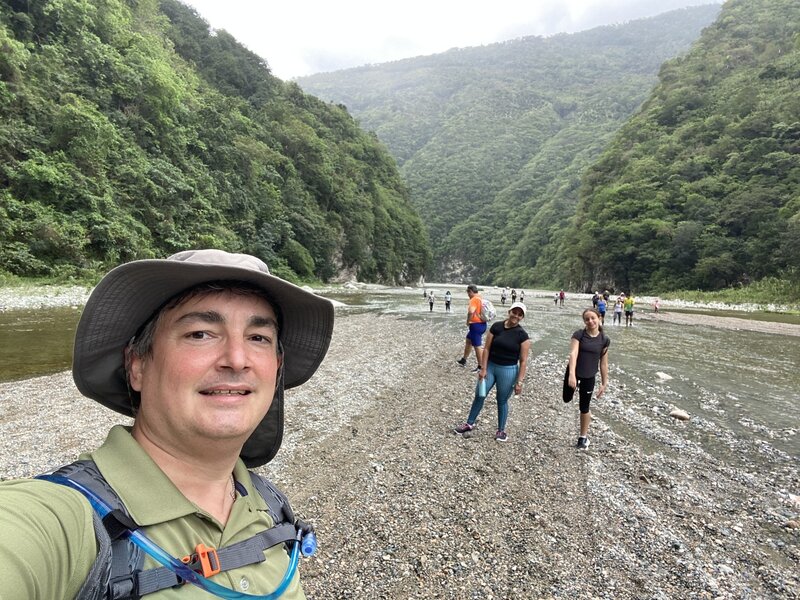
(503, 365)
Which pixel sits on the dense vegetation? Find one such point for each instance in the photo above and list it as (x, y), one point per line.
(494, 140)
(130, 130)
(701, 189)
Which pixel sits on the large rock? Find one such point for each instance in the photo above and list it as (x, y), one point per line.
(680, 415)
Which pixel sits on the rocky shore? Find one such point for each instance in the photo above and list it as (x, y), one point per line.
(406, 509)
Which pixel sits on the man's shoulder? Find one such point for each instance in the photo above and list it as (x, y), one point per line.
(43, 496)
(48, 530)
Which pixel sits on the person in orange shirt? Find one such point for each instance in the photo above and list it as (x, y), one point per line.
(477, 327)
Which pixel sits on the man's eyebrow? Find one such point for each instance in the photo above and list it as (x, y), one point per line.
(207, 316)
(258, 321)
(212, 316)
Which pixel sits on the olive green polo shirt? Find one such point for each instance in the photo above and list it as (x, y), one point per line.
(47, 542)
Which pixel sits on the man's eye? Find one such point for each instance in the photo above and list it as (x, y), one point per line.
(198, 335)
(261, 338)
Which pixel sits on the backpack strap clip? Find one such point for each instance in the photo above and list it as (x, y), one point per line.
(204, 560)
(118, 524)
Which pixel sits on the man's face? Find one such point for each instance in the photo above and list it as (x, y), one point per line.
(212, 372)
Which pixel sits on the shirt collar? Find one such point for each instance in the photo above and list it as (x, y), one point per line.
(143, 487)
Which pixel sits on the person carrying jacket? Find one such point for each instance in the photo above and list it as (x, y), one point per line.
(588, 353)
(476, 327)
(198, 349)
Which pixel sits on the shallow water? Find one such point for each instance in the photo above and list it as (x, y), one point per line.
(740, 387)
(36, 342)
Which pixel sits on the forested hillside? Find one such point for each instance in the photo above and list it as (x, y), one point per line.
(701, 189)
(130, 130)
(493, 140)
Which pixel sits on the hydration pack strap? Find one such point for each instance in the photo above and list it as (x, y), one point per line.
(240, 554)
(119, 560)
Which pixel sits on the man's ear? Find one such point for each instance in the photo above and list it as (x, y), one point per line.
(134, 369)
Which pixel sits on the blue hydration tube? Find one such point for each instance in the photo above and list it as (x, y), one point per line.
(308, 543)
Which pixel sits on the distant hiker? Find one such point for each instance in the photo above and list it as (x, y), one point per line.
(447, 298)
(628, 306)
(595, 299)
(617, 312)
(476, 327)
(588, 351)
(601, 309)
(503, 295)
(522, 296)
(504, 363)
(656, 305)
(198, 349)
(513, 295)
(561, 297)
(555, 298)
(606, 295)
(430, 301)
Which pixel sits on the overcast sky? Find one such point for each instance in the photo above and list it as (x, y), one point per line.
(302, 37)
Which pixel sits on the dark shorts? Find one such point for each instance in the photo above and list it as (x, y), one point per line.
(629, 313)
(585, 389)
(475, 334)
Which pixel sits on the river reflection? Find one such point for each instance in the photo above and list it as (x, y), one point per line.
(36, 342)
(734, 381)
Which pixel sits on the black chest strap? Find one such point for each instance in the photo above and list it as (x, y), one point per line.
(235, 556)
(117, 572)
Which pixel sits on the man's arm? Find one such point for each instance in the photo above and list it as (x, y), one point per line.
(47, 543)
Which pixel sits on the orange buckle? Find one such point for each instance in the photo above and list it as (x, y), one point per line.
(204, 560)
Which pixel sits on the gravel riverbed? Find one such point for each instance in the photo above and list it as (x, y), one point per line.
(404, 508)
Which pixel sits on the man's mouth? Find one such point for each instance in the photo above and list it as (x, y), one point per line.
(225, 392)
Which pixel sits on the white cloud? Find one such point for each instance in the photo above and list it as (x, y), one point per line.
(308, 36)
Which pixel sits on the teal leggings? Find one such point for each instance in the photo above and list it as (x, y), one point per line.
(504, 376)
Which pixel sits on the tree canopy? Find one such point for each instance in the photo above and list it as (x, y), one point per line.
(700, 188)
(129, 129)
(493, 140)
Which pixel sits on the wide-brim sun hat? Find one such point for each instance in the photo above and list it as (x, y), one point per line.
(129, 295)
(520, 306)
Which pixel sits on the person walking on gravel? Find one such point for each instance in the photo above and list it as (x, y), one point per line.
(476, 327)
(504, 364)
(588, 352)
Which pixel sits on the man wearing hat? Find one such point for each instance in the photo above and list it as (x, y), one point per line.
(198, 349)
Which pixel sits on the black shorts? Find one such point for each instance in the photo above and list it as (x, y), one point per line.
(585, 389)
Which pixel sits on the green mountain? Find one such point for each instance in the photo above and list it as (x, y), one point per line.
(701, 189)
(130, 130)
(493, 140)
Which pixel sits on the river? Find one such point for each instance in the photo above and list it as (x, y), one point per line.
(739, 386)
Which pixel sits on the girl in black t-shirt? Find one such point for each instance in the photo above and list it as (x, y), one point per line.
(503, 364)
(588, 350)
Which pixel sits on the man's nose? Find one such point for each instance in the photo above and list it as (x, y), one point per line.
(234, 355)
